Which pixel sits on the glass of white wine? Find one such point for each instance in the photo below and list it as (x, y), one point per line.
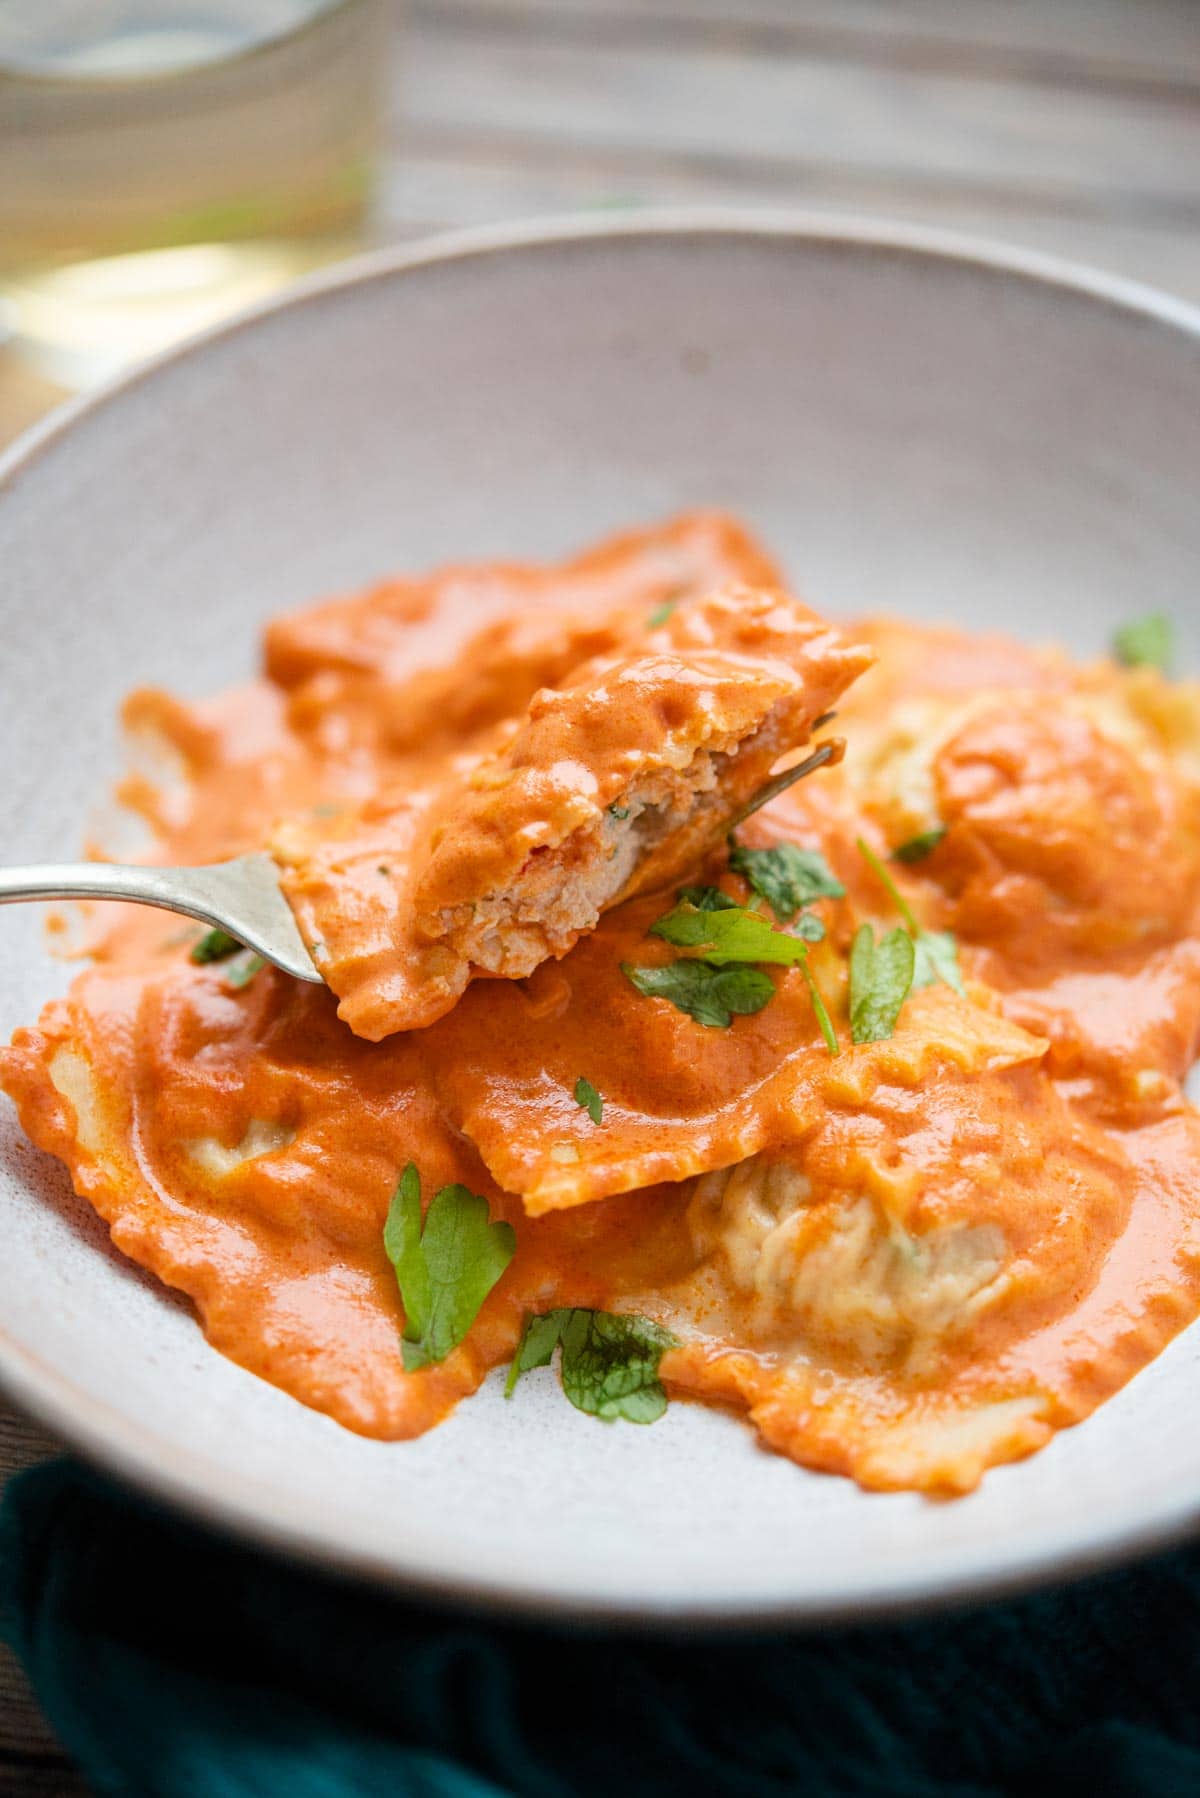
(165, 162)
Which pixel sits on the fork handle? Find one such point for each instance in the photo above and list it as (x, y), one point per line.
(240, 896)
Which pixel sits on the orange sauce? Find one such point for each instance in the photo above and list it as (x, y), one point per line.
(905, 1263)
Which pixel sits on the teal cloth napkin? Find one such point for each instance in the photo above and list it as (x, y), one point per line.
(175, 1664)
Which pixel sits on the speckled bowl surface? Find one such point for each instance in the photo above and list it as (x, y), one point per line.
(912, 423)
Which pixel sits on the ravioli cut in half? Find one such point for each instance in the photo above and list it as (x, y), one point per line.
(618, 779)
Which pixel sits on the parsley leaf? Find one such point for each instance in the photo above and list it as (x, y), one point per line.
(1147, 642)
(821, 1010)
(589, 1100)
(609, 1361)
(917, 848)
(936, 955)
(445, 1269)
(243, 967)
(661, 614)
(730, 934)
(809, 928)
(936, 958)
(619, 812)
(214, 945)
(787, 877)
(710, 995)
(539, 1339)
(881, 977)
(706, 899)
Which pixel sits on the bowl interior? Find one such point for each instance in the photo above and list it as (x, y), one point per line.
(910, 429)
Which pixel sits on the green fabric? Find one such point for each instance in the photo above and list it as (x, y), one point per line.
(175, 1665)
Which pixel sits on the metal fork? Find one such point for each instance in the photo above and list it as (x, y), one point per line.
(243, 897)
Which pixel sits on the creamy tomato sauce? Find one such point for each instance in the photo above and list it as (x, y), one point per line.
(905, 1263)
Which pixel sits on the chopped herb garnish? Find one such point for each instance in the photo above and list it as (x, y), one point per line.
(728, 933)
(661, 614)
(822, 1011)
(881, 977)
(708, 994)
(936, 958)
(706, 899)
(917, 848)
(589, 1100)
(214, 945)
(1147, 642)
(620, 812)
(893, 891)
(243, 968)
(609, 1363)
(445, 1269)
(539, 1339)
(936, 950)
(787, 876)
(720, 932)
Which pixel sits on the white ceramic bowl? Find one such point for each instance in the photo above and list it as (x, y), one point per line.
(912, 423)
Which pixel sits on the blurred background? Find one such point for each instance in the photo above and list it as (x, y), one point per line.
(164, 162)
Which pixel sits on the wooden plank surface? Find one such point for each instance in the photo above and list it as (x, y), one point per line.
(1073, 127)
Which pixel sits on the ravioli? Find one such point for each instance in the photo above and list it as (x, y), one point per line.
(916, 1352)
(679, 1100)
(618, 778)
(243, 1146)
(905, 1261)
(380, 674)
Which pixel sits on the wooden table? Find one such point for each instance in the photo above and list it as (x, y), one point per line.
(1072, 126)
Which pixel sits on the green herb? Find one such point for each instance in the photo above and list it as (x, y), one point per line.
(589, 1100)
(661, 614)
(936, 958)
(539, 1338)
(609, 1362)
(243, 968)
(808, 927)
(881, 977)
(710, 995)
(787, 876)
(729, 934)
(917, 848)
(706, 899)
(620, 812)
(936, 951)
(895, 895)
(444, 1270)
(822, 1011)
(214, 945)
(1147, 642)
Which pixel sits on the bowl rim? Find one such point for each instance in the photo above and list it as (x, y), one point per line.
(669, 222)
(205, 1491)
